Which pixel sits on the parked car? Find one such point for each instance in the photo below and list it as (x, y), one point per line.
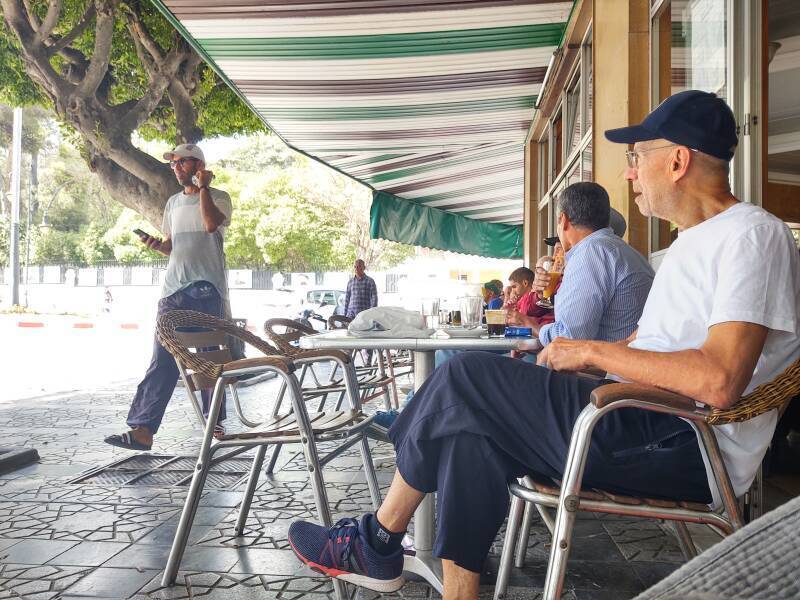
(319, 304)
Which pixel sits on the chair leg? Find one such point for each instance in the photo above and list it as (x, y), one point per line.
(507, 556)
(685, 540)
(369, 472)
(195, 490)
(568, 501)
(752, 506)
(524, 534)
(273, 459)
(252, 482)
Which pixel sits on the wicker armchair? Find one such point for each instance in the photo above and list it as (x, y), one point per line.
(570, 498)
(348, 427)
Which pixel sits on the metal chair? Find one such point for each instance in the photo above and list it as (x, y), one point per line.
(372, 382)
(297, 427)
(570, 498)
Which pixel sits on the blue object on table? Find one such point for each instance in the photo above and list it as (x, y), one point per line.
(385, 418)
(519, 332)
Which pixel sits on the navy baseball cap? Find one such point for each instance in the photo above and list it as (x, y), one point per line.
(698, 120)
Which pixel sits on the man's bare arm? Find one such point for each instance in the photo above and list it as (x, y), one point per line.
(715, 374)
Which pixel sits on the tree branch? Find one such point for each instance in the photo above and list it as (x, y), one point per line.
(185, 113)
(159, 81)
(80, 27)
(98, 65)
(50, 20)
(141, 34)
(34, 55)
(32, 18)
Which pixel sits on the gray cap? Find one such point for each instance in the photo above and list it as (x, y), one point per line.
(616, 221)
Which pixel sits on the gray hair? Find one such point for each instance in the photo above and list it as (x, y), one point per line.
(586, 204)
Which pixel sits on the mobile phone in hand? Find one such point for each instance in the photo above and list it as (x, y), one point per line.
(141, 234)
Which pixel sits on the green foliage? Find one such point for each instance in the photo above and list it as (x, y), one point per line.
(125, 245)
(51, 246)
(219, 110)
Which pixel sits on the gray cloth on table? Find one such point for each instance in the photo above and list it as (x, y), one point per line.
(761, 560)
(389, 322)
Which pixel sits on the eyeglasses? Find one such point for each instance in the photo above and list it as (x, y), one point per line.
(180, 161)
(633, 155)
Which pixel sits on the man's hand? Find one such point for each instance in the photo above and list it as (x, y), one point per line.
(162, 246)
(514, 317)
(203, 176)
(541, 280)
(563, 354)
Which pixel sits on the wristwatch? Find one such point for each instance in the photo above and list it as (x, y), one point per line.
(204, 187)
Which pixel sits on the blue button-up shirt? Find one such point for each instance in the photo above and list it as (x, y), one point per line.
(604, 288)
(361, 295)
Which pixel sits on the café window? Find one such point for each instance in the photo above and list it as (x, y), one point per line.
(689, 48)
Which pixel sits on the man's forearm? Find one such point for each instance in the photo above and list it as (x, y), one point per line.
(211, 215)
(687, 372)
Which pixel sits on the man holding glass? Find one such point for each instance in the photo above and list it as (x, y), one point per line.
(708, 331)
(605, 281)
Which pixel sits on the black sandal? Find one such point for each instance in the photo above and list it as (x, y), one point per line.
(126, 440)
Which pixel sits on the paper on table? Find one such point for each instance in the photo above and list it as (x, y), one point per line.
(389, 322)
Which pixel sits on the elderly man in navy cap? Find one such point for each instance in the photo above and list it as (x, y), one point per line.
(721, 318)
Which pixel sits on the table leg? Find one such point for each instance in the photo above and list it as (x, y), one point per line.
(422, 562)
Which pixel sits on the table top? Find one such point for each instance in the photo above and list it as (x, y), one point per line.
(339, 339)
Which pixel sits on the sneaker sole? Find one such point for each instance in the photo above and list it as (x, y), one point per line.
(376, 585)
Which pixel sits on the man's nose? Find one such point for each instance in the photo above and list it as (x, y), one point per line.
(631, 173)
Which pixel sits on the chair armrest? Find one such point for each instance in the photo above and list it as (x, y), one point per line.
(302, 356)
(612, 392)
(246, 364)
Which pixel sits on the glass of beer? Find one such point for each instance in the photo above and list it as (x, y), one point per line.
(555, 270)
(496, 322)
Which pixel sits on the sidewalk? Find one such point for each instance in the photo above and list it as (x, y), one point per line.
(104, 538)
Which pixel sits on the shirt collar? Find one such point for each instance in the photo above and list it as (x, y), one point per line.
(604, 232)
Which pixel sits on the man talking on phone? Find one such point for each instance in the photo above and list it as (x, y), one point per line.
(194, 224)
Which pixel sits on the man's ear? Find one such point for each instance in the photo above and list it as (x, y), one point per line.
(679, 162)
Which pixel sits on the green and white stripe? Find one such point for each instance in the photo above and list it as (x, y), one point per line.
(430, 102)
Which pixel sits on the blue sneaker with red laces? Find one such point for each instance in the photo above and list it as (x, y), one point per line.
(343, 552)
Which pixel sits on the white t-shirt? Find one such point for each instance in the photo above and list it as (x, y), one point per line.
(740, 265)
(196, 254)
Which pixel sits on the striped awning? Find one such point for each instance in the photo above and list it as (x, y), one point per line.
(426, 100)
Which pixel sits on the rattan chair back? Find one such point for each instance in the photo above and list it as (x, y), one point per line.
(766, 397)
(338, 322)
(172, 333)
(285, 332)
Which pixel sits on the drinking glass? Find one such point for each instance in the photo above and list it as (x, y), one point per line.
(555, 269)
(471, 308)
(430, 310)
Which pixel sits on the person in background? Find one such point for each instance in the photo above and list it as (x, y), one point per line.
(194, 224)
(362, 293)
(492, 292)
(605, 281)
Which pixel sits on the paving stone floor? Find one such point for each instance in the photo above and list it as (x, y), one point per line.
(60, 539)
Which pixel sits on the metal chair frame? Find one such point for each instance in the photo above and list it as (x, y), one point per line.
(571, 498)
(298, 427)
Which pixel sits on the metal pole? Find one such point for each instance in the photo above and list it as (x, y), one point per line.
(16, 171)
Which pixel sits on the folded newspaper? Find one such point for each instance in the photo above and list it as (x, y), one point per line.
(389, 322)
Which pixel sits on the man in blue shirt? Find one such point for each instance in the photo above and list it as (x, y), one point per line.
(362, 293)
(605, 282)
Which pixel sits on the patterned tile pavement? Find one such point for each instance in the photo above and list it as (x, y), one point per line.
(101, 539)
